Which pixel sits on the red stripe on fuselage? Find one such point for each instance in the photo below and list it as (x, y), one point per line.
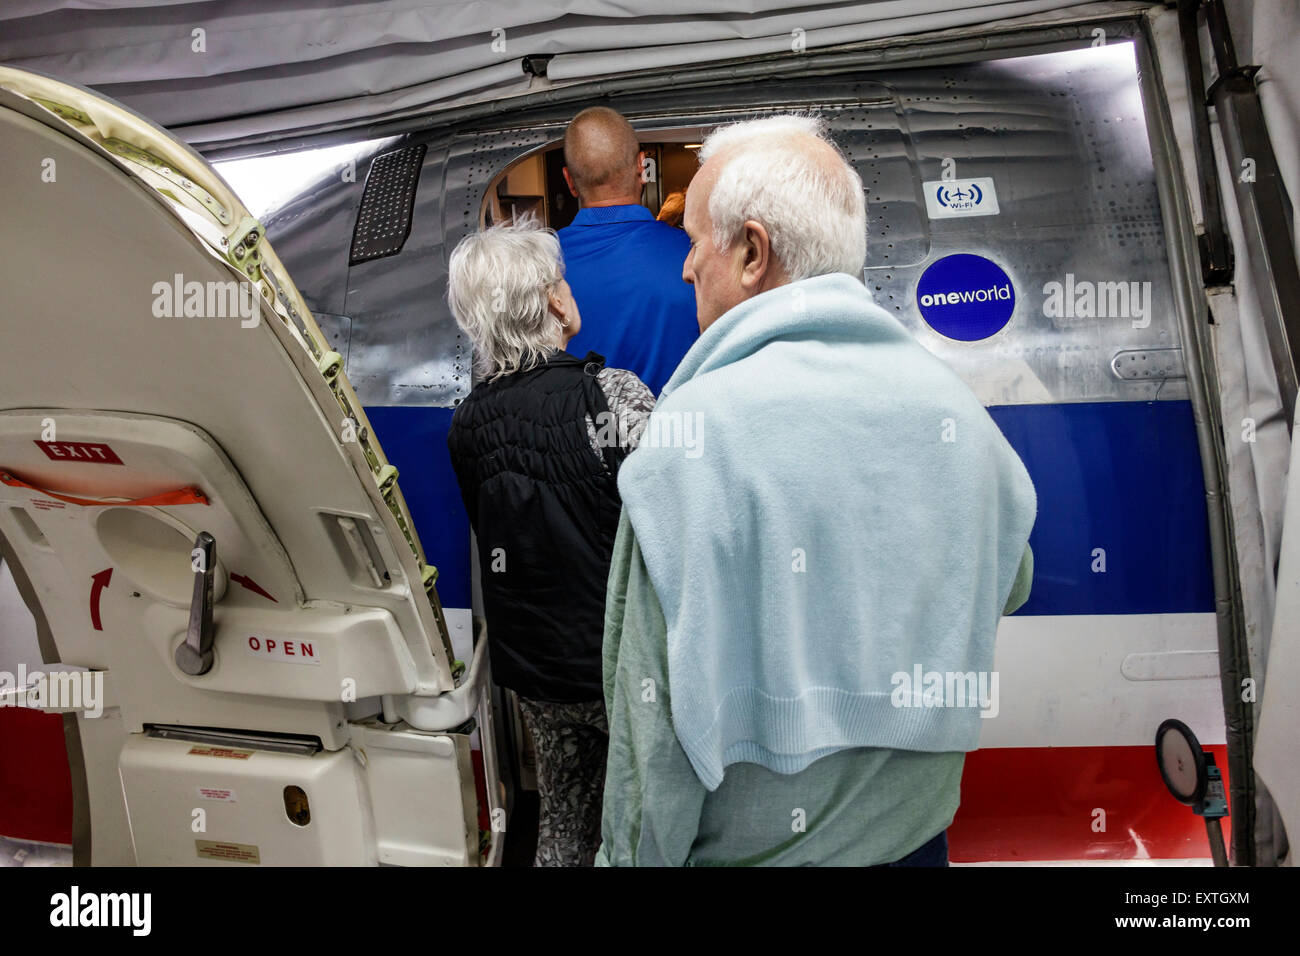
(35, 783)
(1040, 803)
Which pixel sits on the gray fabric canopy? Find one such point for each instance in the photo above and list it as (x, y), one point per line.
(217, 71)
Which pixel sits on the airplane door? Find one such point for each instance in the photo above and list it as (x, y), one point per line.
(246, 633)
(1017, 229)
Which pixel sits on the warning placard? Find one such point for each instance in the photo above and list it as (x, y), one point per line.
(220, 794)
(94, 452)
(232, 852)
(203, 750)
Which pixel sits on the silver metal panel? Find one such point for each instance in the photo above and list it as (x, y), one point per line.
(313, 236)
(1064, 138)
(337, 330)
(406, 347)
(1062, 134)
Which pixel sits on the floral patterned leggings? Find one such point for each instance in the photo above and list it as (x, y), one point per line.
(571, 742)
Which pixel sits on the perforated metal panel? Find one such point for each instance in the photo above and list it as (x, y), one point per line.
(384, 219)
(1061, 134)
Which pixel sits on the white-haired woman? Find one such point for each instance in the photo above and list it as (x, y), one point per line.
(536, 447)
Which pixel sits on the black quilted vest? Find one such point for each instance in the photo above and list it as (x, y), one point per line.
(545, 512)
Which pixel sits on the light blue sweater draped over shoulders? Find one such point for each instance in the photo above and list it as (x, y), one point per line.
(822, 506)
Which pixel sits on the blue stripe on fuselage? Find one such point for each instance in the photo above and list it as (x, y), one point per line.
(1124, 477)
(414, 439)
(1121, 476)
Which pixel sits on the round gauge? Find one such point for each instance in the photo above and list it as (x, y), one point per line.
(1182, 762)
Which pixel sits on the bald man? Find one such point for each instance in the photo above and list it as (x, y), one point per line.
(624, 267)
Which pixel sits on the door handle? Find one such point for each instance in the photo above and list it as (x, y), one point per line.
(194, 656)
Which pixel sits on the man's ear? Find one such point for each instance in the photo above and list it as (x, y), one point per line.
(756, 261)
(640, 167)
(569, 181)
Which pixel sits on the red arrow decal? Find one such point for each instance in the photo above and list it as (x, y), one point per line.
(251, 585)
(96, 589)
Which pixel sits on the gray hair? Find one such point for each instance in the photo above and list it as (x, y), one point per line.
(812, 207)
(498, 281)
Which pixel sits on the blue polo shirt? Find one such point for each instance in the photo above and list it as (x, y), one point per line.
(625, 269)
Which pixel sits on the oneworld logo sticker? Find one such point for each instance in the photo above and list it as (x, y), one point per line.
(966, 297)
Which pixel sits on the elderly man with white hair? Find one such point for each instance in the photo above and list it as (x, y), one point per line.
(537, 447)
(819, 509)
